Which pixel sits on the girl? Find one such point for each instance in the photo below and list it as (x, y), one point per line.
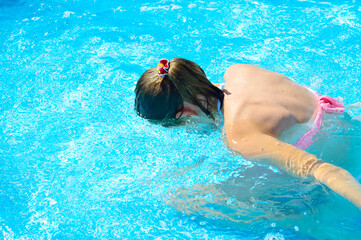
(259, 107)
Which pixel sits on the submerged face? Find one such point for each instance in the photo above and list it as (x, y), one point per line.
(162, 97)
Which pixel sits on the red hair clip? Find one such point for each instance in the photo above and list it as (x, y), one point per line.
(163, 67)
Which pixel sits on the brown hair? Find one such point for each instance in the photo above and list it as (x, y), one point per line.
(160, 98)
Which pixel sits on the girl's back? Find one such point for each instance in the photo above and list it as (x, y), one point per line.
(270, 101)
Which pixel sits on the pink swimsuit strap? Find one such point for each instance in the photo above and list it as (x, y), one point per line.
(325, 104)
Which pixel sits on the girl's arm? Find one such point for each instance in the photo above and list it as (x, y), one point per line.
(296, 162)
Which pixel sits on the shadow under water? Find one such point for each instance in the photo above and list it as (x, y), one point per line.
(246, 199)
(259, 199)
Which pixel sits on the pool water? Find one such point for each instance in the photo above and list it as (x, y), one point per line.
(77, 163)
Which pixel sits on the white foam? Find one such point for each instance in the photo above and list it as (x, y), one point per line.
(274, 236)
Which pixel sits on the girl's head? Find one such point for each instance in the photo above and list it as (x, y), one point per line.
(162, 97)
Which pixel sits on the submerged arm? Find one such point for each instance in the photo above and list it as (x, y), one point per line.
(297, 162)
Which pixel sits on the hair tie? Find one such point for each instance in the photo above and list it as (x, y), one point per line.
(163, 67)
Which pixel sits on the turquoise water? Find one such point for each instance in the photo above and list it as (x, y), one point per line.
(77, 163)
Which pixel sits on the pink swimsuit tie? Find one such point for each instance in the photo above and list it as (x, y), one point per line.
(327, 104)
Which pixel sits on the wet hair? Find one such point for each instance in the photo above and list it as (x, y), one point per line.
(160, 98)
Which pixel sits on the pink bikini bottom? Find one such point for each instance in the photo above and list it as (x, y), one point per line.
(325, 104)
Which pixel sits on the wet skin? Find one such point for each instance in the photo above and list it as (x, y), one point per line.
(258, 106)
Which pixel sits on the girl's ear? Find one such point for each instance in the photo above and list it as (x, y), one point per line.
(185, 112)
(188, 110)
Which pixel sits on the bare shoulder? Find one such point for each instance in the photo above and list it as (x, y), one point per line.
(242, 137)
(249, 72)
(241, 69)
(239, 128)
